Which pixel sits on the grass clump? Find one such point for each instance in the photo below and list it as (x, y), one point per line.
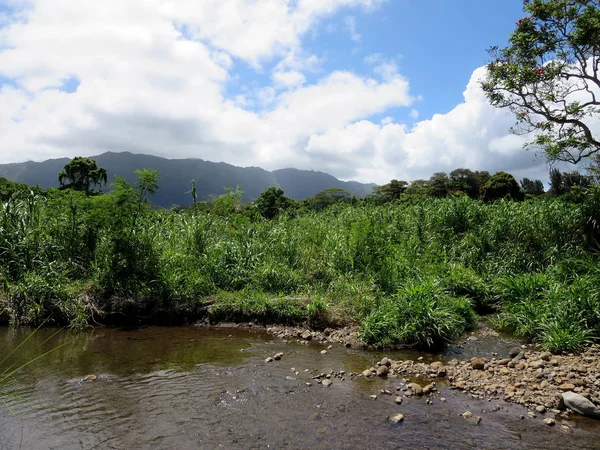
(421, 314)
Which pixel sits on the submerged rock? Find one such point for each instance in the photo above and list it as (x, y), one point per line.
(90, 377)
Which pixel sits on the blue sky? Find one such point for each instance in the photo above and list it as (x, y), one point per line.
(364, 89)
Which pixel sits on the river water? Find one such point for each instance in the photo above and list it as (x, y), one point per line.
(210, 388)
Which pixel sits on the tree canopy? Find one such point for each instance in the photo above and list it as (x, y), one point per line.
(80, 174)
(501, 185)
(548, 77)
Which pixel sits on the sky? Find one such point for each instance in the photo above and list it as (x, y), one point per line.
(367, 90)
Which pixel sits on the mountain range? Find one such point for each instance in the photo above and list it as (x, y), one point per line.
(176, 175)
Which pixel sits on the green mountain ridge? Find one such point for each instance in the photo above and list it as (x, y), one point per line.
(176, 176)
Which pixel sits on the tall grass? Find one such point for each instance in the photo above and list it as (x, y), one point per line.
(412, 273)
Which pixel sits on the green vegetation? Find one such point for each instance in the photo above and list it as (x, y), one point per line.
(407, 268)
(548, 77)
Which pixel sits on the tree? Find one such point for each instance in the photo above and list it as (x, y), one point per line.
(532, 187)
(501, 185)
(329, 197)
(418, 188)
(388, 192)
(80, 174)
(548, 77)
(272, 202)
(467, 181)
(439, 185)
(563, 182)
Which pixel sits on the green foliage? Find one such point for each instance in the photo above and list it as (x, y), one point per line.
(420, 314)
(501, 185)
(272, 203)
(80, 174)
(548, 74)
(388, 192)
(532, 188)
(468, 182)
(405, 272)
(328, 197)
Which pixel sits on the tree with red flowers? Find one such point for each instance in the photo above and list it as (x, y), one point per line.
(548, 76)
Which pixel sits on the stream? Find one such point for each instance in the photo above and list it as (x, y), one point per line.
(210, 387)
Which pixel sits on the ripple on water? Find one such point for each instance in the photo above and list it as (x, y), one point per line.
(166, 393)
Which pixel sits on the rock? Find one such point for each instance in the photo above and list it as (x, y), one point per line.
(437, 365)
(428, 389)
(326, 382)
(367, 373)
(550, 421)
(503, 362)
(269, 359)
(514, 351)
(566, 387)
(386, 362)
(382, 371)
(478, 363)
(90, 377)
(469, 417)
(323, 352)
(521, 366)
(580, 405)
(373, 397)
(546, 356)
(442, 372)
(415, 388)
(397, 418)
(398, 400)
(519, 357)
(306, 335)
(538, 364)
(541, 409)
(278, 356)
(460, 385)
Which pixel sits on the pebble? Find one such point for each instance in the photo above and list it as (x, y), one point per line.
(323, 352)
(269, 359)
(373, 397)
(326, 382)
(278, 356)
(397, 418)
(399, 400)
(90, 377)
(549, 421)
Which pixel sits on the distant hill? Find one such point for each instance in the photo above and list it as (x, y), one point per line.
(176, 176)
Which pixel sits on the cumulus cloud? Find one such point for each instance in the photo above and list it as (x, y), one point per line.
(152, 76)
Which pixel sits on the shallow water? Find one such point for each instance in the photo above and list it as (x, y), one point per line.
(198, 387)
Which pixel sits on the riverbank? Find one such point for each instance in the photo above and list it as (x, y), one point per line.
(516, 374)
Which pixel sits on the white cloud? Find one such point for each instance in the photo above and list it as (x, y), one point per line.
(154, 79)
(288, 79)
(350, 22)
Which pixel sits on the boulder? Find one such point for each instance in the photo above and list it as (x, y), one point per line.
(579, 404)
